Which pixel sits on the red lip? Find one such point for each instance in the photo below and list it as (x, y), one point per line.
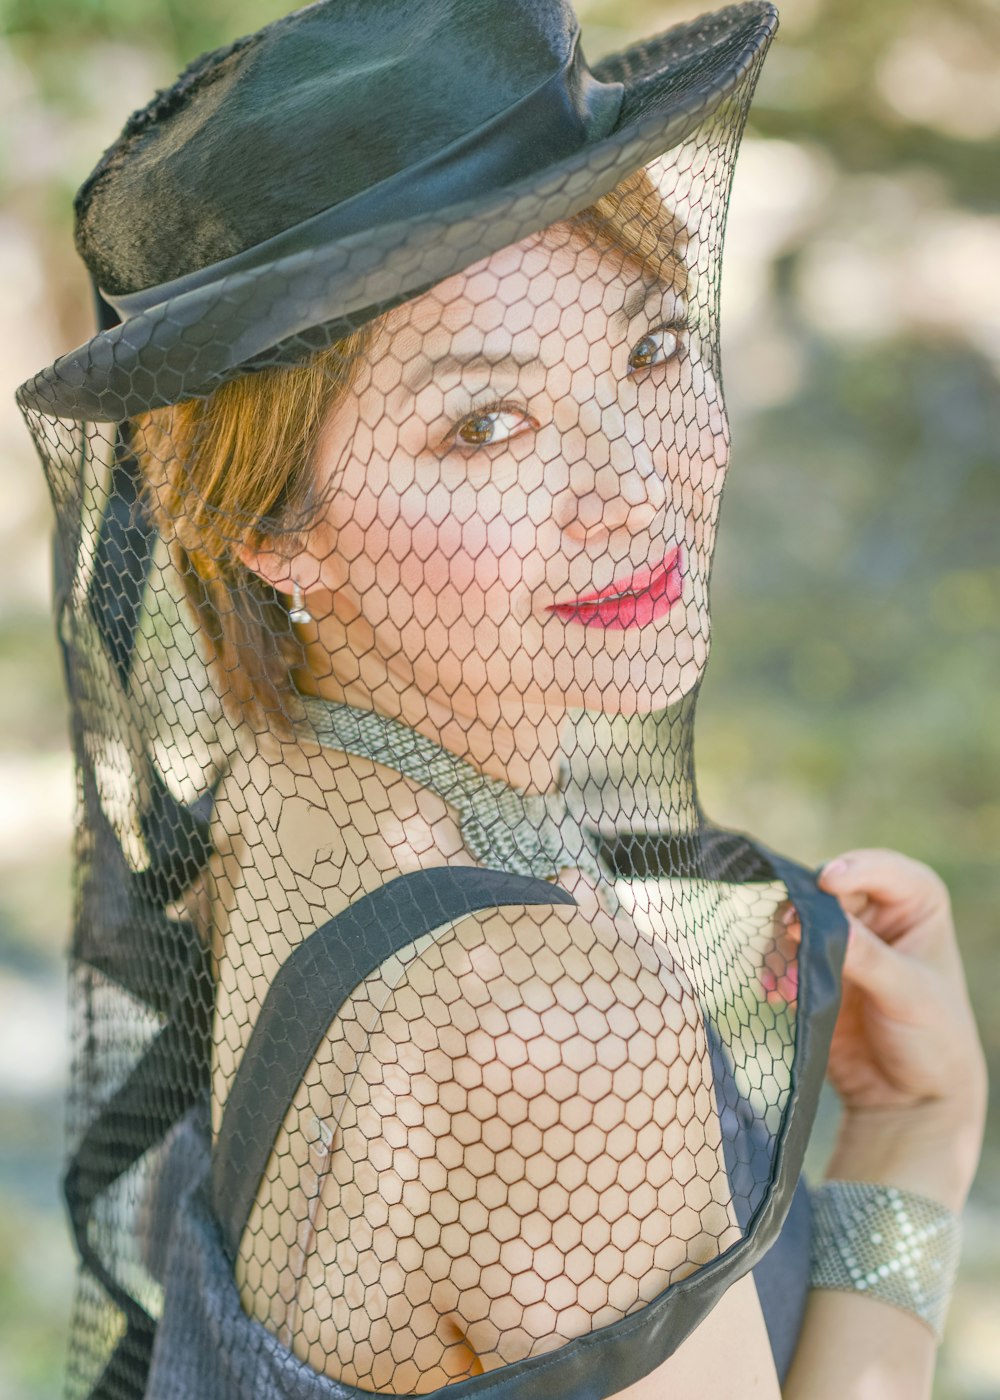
(637, 583)
(651, 594)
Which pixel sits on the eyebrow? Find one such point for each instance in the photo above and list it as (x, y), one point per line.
(420, 371)
(638, 299)
(423, 369)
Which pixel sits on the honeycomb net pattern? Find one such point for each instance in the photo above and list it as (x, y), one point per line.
(513, 1130)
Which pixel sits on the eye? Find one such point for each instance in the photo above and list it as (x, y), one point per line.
(491, 424)
(656, 346)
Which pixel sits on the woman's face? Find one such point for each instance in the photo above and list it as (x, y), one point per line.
(529, 432)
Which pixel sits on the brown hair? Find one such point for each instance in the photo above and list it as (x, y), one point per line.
(234, 470)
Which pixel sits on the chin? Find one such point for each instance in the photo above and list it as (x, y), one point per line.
(650, 681)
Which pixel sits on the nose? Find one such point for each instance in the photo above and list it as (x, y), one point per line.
(612, 484)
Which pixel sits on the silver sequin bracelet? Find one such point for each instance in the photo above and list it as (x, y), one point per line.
(892, 1244)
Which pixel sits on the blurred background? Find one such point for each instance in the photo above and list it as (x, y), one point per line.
(852, 697)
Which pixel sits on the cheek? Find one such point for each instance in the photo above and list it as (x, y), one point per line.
(470, 561)
(404, 534)
(710, 416)
(684, 418)
(446, 546)
(462, 561)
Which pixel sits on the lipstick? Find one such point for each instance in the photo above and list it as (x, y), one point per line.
(630, 602)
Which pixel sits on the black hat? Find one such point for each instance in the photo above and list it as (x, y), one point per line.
(359, 151)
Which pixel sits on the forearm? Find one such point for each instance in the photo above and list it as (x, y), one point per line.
(861, 1348)
(855, 1345)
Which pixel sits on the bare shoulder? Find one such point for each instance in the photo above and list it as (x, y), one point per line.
(529, 1150)
(536, 996)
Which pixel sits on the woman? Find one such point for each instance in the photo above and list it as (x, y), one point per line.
(445, 566)
(466, 642)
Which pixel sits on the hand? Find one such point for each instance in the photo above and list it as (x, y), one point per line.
(906, 1058)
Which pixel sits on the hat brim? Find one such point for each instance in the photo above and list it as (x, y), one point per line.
(276, 312)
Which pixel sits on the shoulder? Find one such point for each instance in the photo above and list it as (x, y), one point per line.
(537, 988)
(542, 1121)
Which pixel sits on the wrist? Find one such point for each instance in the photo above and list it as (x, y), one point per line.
(894, 1245)
(930, 1149)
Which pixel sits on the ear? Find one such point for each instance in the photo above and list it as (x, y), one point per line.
(281, 570)
(306, 558)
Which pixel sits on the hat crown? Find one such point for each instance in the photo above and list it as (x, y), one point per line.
(305, 113)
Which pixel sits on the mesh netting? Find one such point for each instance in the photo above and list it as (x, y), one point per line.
(426, 1027)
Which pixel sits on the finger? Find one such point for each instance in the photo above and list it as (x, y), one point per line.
(779, 976)
(788, 931)
(891, 979)
(899, 883)
(788, 918)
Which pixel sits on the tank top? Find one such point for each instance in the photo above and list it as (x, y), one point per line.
(206, 1347)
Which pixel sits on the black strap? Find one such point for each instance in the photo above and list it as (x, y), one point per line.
(308, 991)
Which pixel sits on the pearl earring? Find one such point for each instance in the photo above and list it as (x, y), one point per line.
(298, 612)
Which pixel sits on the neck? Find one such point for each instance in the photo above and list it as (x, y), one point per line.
(520, 749)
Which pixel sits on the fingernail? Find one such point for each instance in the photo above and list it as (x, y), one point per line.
(835, 867)
(789, 916)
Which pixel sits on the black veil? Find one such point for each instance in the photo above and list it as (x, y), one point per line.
(427, 1031)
